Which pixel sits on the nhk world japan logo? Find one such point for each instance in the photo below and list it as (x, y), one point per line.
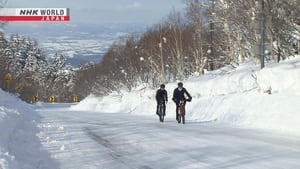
(34, 14)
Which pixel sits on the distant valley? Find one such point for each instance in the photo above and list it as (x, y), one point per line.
(80, 44)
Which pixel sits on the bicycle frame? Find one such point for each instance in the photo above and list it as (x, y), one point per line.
(181, 112)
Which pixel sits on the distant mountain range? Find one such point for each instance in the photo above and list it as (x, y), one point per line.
(79, 43)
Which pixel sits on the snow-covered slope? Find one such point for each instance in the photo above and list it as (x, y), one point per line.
(233, 96)
(19, 145)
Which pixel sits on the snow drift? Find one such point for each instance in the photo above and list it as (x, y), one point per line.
(246, 96)
(19, 145)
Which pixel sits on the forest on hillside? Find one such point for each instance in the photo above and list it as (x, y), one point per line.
(206, 36)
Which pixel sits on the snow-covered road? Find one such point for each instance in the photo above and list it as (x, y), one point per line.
(89, 140)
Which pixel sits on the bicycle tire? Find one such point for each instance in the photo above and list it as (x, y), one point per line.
(181, 114)
(161, 112)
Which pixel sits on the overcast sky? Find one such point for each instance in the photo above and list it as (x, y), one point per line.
(107, 11)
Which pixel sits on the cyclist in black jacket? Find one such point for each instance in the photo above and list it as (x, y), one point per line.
(179, 94)
(161, 96)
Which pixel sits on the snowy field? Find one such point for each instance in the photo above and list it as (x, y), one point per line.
(232, 122)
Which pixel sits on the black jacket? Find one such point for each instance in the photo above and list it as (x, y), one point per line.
(161, 95)
(180, 95)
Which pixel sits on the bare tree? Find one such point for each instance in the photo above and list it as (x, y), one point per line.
(174, 40)
(194, 15)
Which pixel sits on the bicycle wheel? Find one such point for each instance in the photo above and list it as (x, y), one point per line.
(161, 112)
(181, 114)
(162, 118)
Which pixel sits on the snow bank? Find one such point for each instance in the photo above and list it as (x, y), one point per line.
(246, 96)
(19, 145)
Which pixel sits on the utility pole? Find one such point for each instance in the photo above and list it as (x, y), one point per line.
(263, 35)
(163, 73)
(211, 32)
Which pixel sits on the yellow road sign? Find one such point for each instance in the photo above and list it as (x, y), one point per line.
(51, 99)
(75, 99)
(35, 98)
(8, 78)
(18, 89)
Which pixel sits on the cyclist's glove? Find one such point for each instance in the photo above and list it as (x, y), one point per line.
(189, 99)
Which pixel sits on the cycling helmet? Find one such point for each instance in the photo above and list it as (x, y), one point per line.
(180, 84)
(162, 86)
